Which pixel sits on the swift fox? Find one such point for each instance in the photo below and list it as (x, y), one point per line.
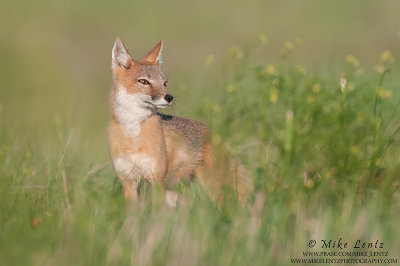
(158, 148)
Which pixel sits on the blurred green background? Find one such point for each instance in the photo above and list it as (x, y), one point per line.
(56, 54)
(264, 75)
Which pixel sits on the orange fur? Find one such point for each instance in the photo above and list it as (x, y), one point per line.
(159, 148)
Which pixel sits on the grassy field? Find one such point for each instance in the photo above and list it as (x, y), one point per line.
(321, 151)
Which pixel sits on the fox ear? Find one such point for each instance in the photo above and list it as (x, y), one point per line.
(120, 56)
(154, 56)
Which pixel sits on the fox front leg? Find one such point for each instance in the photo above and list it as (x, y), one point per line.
(129, 187)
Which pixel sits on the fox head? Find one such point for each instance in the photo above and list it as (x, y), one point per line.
(139, 86)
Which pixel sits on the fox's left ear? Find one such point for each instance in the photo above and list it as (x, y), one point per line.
(154, 56)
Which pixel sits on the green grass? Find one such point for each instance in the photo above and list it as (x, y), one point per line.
(323, 159)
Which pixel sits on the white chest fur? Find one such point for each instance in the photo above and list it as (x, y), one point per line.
(130, 111)
(134, 166)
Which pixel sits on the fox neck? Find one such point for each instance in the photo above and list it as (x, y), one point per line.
(130, 111)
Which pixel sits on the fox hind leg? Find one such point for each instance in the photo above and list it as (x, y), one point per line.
(224, 178)
(206, 176)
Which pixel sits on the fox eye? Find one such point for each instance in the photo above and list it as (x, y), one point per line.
(144, 81)
(165, 84)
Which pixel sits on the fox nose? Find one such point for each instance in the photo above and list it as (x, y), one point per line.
(168, 98)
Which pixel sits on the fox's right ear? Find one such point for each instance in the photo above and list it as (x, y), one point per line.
(120, 56)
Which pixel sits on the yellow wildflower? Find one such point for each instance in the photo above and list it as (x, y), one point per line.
(289, 45)
(386, 57)
(378, 162)
(230, 88)
(271, 70)
(26, 171)
(350, 58)
(302, 70)
(355, 149)
(309, 183)
(209, 60)
(273, 95)
(316, 88)
(384, 94)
